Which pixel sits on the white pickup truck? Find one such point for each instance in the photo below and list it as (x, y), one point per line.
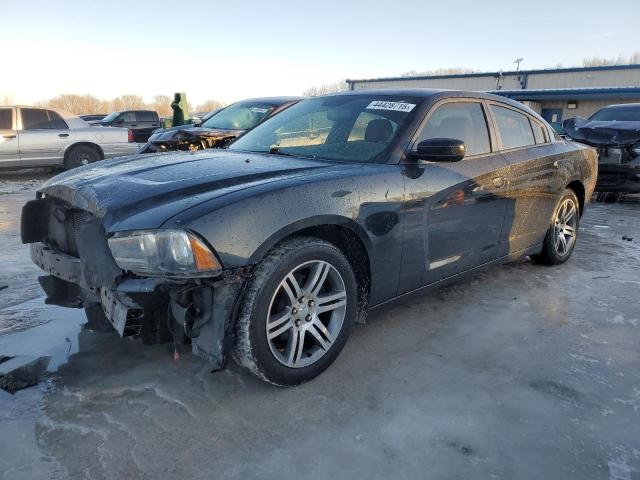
(45, 137)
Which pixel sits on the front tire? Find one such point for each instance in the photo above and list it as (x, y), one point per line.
(297, 312)
(562, 234)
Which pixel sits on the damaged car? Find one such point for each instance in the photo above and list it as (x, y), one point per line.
(615, 132)
(269, 250)
(219, 128)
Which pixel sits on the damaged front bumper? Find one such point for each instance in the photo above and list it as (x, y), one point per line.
(188, 139)
(70, 245)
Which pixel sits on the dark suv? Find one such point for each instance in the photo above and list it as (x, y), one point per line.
(615, 131)
(140, 122)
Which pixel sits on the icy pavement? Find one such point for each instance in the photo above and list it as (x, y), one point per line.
(523, 372)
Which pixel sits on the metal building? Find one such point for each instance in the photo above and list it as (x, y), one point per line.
(555, 94)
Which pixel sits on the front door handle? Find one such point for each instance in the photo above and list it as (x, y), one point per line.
(9, 136)
(63, 135)
(498, 182)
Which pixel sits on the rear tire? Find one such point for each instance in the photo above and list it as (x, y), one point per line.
(297, 312)
(562, 234)
(81, 155)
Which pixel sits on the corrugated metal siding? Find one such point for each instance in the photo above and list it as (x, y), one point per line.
(629, 77)
(609, 78)
(535, 106)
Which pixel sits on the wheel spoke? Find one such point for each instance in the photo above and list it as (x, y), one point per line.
(317, 278)
(331, 301)
(569, 214)
(279, 324)
(314, 330)
(292, 288)
(569, 230)
(563, 242)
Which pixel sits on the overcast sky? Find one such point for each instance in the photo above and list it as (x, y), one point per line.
(234, 50)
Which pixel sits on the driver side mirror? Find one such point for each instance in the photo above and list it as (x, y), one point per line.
(440, 150)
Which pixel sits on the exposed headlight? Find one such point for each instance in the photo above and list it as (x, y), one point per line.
(164, 253)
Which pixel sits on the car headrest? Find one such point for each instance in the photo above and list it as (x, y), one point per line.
(378, 130)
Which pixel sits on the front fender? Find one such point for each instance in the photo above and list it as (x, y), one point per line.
(243, 226)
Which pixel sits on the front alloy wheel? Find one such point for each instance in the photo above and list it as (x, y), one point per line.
(306, 314)
(296, 312)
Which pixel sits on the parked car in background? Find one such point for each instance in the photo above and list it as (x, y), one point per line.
(45, 137)
(140, 122)
(220, 127)
(94, 117)
(615, 132)
(273, 247)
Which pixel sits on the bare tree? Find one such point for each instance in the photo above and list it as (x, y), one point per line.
(162, 105)
(208, 106)
(77, 104)
(128, 102)
(438, 71)
(326, 88)
(619, 60)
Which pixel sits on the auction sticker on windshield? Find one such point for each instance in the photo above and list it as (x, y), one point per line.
(395, 106)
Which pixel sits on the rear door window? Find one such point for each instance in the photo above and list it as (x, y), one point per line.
(538, 132)
(6, 119)
(460, 121)
(514, 128)
(128, 117)
(56, 121)
(145, 116)
(35, 119)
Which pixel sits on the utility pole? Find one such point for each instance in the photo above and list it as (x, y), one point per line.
(517, 62)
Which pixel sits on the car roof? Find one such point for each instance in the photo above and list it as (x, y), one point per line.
(275, 100)
(438, 93)
(621, 105)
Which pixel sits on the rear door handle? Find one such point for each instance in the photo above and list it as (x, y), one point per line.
(9, 136)
(498, 182)
(63, 135)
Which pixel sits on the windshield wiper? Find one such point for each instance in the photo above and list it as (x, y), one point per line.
(277, 151)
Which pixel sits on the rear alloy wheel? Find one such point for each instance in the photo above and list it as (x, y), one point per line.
(81, 155)
(297, 312)
(563, 231)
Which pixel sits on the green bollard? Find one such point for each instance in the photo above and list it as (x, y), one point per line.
(180, 109)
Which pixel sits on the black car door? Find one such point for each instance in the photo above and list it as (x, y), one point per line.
(454, 210)
(534, 182)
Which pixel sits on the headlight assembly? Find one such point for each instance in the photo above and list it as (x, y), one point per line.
(164, 253)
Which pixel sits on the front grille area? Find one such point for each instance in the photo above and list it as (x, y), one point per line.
(64, 228)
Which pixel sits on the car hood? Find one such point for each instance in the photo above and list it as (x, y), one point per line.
(603, 133)
(144, 191)
(186, 132)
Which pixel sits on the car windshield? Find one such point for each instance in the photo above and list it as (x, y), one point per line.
(239, 116)
(359, 128)
(110, 117)
(631, 114)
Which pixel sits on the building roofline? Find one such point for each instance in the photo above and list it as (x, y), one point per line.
(593, 93)
(496, 74)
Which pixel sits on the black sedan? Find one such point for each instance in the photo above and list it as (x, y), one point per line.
(219, 127)
(271, 249)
